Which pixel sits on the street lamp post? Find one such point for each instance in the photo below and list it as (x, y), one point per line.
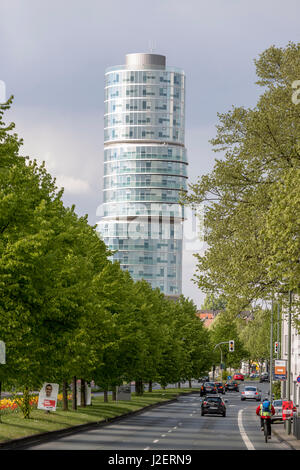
(217, 345)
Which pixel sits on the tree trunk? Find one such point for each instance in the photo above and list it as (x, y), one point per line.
(150, 386)
(105, 395)
(179, 385)
(65, 395)
(139, 387)
(26, 406)
(74, 394)
(82, 393)
(114, 394)
(190, 383)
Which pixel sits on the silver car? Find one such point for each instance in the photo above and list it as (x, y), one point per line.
(251, 393)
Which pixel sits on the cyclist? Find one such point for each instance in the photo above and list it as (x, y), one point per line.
(265, 410)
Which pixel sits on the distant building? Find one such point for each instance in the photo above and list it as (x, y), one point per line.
(295, 358)
(145, 168)
(208, 316)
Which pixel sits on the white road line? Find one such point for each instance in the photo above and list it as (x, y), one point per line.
(163, 435)
(156, 440)
(245, 438)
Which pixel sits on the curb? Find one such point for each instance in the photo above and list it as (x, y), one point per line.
(23, 442)
(281, 439)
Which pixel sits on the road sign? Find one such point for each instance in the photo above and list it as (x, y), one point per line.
(2, 353)
(298, 379)
(229, 377)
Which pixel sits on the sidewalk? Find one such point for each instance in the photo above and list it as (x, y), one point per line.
(279, 431)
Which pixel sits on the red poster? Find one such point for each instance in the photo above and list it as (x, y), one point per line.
(287, 409)
(48, 403)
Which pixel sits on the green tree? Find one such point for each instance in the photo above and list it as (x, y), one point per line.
(259, 147)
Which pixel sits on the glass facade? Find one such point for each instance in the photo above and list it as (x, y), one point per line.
(145, 168)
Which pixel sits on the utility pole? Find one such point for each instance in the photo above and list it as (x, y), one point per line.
(289, 357)
(271, 351)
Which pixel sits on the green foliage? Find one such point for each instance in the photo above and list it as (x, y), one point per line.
(276, 390)
(252, 193)
(65, 309)
(213, 302)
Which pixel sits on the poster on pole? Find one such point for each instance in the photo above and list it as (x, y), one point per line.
(287, 409)
(124, 392)
(280, 372)
(48, 397)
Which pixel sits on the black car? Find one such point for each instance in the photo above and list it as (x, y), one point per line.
(264, 377)
(208, 387)
(220, 387)
(232, 386)
(213, 405)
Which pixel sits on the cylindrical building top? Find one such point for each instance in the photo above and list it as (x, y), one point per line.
(147, 61)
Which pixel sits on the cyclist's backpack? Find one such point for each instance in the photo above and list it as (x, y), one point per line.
(266, 406)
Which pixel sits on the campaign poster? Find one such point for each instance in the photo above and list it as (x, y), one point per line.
(48, 397)
(287, 409)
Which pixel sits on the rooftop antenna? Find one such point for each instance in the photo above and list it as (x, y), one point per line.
(152, 46)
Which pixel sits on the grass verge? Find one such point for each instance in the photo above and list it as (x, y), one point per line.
(13, 425)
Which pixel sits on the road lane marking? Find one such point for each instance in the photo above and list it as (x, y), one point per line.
(156, 440)
(243, 433)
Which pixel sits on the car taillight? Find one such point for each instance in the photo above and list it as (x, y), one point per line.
(205, 403)
(256, 393)
(243, 393)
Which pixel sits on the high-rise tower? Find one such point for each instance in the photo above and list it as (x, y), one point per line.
(145, 167)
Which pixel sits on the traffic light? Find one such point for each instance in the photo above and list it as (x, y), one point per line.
(277, 344)
(231, 345)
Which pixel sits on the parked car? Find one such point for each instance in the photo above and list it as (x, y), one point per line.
(232, 386)
(220, 387)
(251, 393)
(238, 376)
(208, 387)
(264, 377)
(213, 405)
(253, 376)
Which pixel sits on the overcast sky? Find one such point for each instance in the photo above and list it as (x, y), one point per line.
(53, 55)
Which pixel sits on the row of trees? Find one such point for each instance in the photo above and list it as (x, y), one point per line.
(66, 310)
(252, 195)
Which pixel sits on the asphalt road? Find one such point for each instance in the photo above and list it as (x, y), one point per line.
(177, 426)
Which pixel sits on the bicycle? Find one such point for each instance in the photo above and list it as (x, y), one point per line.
(266, 430)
